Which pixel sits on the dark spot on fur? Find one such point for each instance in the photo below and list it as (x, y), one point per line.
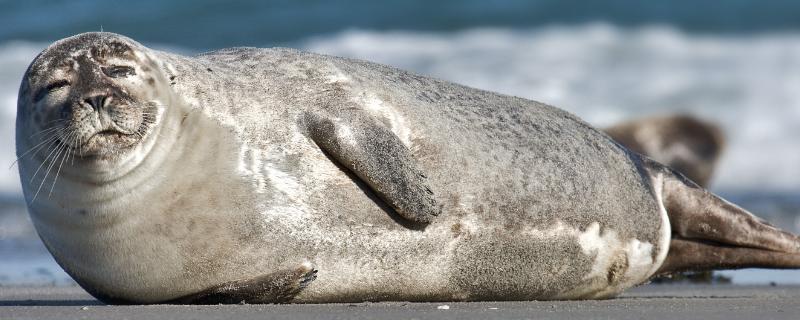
(457, 229)
(209, 70)
(617, 268)
(183, 119)
(704, 228)
(82, 212)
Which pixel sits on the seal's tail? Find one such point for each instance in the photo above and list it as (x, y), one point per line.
(709, 232)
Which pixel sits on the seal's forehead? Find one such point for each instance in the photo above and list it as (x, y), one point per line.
(99, 46)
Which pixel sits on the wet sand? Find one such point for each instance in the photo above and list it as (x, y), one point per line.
(647, 302)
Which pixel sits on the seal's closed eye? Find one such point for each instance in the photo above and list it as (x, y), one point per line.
(119, 71)
(49, 88)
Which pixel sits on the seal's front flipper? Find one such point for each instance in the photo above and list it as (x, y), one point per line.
(278, 287)
(372, 152)
(711, 233)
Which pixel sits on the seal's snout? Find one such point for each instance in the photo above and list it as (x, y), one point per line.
(98, 116)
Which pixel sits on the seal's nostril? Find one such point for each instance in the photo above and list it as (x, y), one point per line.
(96, 102)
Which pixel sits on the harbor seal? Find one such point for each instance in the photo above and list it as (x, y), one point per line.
(687, 144)
(275, 175)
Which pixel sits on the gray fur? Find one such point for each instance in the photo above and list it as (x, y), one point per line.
(243, 190)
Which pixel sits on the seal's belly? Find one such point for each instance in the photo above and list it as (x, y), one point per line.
(459, 259)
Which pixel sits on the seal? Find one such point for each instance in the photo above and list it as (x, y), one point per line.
(687, 144)
(274, 175)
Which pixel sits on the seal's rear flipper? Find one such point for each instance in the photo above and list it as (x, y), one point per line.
(377, 156)
(711, 233)
(688, 255)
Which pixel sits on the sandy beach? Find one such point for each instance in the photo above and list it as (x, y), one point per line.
(646, 302)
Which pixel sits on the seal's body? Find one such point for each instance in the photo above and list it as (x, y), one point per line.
(687, 144)
(253, 168)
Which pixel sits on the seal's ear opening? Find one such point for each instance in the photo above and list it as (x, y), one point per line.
(711, 233)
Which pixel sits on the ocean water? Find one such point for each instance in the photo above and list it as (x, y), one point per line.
(604, 64)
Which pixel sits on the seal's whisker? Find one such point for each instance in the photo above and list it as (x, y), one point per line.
(138, 133)
(147, 118)
(55, 141)
(47, 172)
(64, 156)
(141, 129)
(77, 151)
(47, 130)
(56, 121)
(61, 147)
(78, 140)
(49, 138)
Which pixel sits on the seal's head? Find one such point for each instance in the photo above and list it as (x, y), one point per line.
(94, 97)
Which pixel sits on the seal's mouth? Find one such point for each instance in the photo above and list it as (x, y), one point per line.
(109, 133)
(101, 143)
(108, 141)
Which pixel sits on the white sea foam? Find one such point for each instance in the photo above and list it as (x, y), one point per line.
(749, 84)
(14, 59)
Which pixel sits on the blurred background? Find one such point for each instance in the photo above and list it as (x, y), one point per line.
(735, 63)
